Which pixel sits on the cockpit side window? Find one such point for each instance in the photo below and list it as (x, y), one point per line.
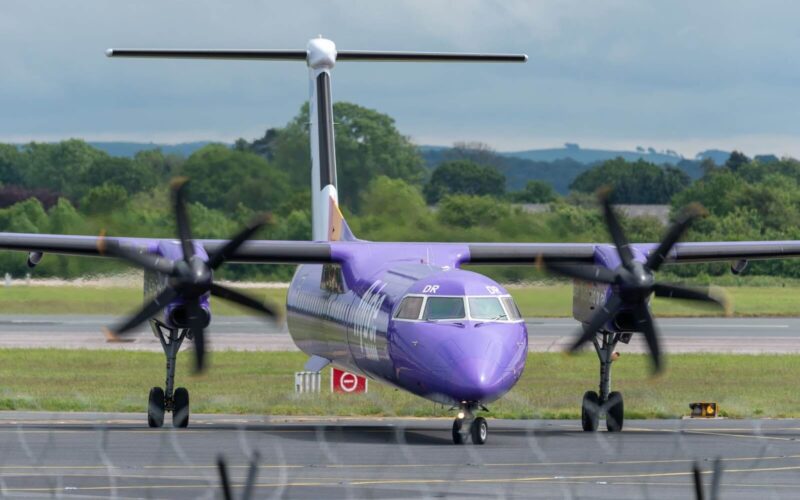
(511, 308)
(409, 308)
(444, 308)
(486, 308)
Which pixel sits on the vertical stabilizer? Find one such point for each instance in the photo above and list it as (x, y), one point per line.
(326, 220)
(320, 55)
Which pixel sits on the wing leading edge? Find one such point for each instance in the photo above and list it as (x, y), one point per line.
(692, 252)
(308, 252)
(256, 251)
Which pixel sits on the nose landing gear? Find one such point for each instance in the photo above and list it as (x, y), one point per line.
(594, 405)
(468, 426)
(168, 399)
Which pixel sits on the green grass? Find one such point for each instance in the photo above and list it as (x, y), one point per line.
(553, 300)
(262, 383)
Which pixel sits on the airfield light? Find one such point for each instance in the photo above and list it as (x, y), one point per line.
(704, 410)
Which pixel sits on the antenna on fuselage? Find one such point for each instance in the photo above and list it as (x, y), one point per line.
(320, 56)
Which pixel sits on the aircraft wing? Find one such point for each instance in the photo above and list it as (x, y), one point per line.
(692, 252)
(254, 251)
(306, 252)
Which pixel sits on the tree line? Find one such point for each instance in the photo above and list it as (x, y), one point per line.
(386, 191)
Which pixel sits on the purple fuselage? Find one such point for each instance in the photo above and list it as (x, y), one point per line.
(346, 313)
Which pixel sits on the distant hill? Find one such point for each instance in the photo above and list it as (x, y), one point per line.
(559, 172)
(718, 156)
(581, 155)
(129, 149)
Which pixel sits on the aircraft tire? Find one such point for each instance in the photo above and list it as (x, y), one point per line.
(180, 409)
(479, 430)
(155, 407)
(615, 415)
(590, 411)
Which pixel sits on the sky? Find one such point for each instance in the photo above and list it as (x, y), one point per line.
(681, 75)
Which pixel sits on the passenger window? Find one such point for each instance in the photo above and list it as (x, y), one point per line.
(444, 308)
(511, 307)
(486, 308)
(409, 308)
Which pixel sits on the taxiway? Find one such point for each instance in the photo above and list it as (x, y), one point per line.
(102, 455)
(680, 335)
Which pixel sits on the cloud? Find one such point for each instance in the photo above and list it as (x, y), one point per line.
(684, 73)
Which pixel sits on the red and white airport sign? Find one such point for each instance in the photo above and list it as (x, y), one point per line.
(342, 381)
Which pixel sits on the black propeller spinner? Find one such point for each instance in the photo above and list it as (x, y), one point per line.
(189, 279)
(634, 282)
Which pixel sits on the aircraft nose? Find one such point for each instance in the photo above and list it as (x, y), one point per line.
(484, 367)
(479, 379)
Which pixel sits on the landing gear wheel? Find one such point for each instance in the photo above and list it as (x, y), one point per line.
(458, 437)
(590, 411)
(180, 408)
(615, 414)
(155, 407)
(479, 430)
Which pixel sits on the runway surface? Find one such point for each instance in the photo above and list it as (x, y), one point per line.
(105, 455)
(732, 335)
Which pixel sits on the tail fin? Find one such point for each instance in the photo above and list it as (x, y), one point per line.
(320, 55)
(338, 230)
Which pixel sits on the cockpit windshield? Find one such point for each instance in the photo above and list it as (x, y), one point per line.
(444, 308)
(409, 308)
(480, 308)
(511, 307)
(486, 308)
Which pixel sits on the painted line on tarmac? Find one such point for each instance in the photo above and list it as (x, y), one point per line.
(742, 436)
(390, 466)
(691, 484)
(349, 483)
(674, 325)
(568, 478)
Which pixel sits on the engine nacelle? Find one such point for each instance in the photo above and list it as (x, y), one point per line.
(177, 315)
(588, 298)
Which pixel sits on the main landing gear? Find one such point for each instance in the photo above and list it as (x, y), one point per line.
(167, 400)
(468, 426)
(606, 403)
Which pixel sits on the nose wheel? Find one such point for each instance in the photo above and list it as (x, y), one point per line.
(610, 404)
(467, 426)
(161, 401)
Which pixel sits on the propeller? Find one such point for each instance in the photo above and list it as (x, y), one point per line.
(189, 278)
(633, 282)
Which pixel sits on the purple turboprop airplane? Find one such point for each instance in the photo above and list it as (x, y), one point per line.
(401, 313)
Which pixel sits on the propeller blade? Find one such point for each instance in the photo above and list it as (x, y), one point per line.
(615, 229)
(197, 326)
(145, 313)
(600, 318)
(182, 217)
(645, 324)
(244, 300)
(234, 243)
(144, 260)
(594, 274)
(659, 255)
